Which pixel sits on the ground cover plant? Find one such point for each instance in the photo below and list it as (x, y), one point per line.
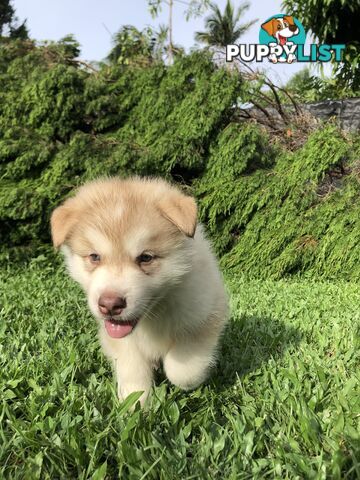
(283, 402)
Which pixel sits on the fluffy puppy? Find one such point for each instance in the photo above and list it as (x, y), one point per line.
(151, 279)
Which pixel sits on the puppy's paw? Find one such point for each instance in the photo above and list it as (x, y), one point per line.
(125, 390)
(187, 375)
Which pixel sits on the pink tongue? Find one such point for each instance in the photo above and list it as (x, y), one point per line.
(282, 40)
(117, 330)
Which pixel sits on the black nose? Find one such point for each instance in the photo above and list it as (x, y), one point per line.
(292, 28)
(111, 304)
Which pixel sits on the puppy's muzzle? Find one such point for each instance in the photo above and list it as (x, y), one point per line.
(111, 304)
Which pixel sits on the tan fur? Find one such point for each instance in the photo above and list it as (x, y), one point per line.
(289, 19)
(62, 221)
(272, 25)
(181, 211)
(178, 298)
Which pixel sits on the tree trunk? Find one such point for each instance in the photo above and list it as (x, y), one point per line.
(171, 53)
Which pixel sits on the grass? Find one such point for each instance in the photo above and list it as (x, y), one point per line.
(283, 402)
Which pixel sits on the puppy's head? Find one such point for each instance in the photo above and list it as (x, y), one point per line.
(127, 242)
(281, 28)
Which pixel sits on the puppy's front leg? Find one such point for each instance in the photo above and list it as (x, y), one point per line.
(187, 364)
(134, 373)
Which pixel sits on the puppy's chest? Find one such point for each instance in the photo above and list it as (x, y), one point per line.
(154, 338)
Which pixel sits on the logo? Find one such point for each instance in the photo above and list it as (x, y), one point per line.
(282, 40)
(285, 32)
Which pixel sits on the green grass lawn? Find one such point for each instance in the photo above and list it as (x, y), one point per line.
(284, 401)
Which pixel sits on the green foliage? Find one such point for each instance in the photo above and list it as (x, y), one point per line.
(286, 215)
(283, 402)
(348, 70)
(269, 210)
(132, 46)
(9, 23)
(306, 87)
(60, 125)
(194, 8)
(223, 28)
(333, 21)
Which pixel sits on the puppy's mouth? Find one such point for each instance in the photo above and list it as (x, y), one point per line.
(282, 39)
(118, 328)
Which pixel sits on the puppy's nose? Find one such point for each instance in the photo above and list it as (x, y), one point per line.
(111, 304)
(292, 28)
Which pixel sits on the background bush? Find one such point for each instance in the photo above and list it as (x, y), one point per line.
(271, 210)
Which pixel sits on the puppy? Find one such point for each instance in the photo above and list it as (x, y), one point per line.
(150, 277)
(282, 29)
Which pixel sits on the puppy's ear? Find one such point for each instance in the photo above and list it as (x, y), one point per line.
(289, 19)
(269, 27)
(62, 221)
(180, 210)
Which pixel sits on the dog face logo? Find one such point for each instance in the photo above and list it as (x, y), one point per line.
(281, 28)
(284, 31)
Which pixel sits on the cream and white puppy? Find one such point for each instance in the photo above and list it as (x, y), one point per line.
(150, 276)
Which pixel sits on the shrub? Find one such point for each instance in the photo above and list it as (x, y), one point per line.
(295, 212)
(60, 125)
(270, 210)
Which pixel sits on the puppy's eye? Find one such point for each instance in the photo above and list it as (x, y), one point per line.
(145, 258)
(94, 258)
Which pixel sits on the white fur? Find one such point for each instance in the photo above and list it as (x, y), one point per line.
(171, 330)
(287, 33)
(182, 309)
